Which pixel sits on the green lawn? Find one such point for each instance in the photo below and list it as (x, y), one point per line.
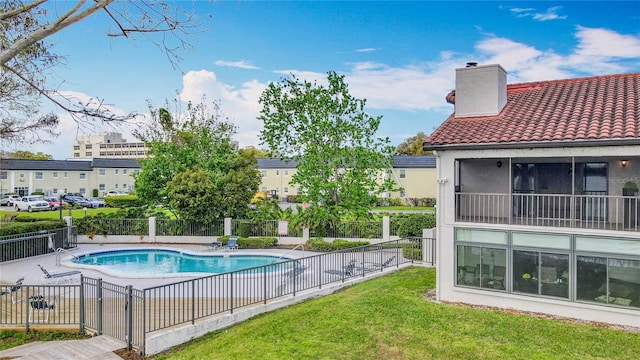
(76, 214)
(388, 318)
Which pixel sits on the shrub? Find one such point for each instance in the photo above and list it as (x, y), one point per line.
(414, 223)
(20, 226)
(251, 243)
(123, 201)
(318, 244)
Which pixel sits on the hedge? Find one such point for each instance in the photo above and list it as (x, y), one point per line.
(251, 243)
(318, 244)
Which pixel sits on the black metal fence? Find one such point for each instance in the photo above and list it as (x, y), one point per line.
(19, 246)
(130, 314)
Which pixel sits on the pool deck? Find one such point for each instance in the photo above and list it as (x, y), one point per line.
(11, 271)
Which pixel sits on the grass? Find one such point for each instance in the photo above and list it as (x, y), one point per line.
(54, 215)
(388, 318)
(13, 338)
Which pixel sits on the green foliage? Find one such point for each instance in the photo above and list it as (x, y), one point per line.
(318, 244)
(13, 338)
(123, 201)
(188, 148)
(26, 225)
(266, 209)
(95, 193)
(413, 145)
(326, 131)
(38, 193)
(251, 243)
(413, 225)
(630, 185)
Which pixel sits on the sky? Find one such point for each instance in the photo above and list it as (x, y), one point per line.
(399, 56)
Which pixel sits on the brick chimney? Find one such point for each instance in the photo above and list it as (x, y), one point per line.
(480, 90)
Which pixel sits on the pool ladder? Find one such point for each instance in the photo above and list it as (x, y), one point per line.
(295, 247)
(59, 252)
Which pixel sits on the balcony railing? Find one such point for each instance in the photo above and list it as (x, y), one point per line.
(618, 213)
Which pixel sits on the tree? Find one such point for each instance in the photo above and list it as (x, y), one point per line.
(25, 57)
(28, 155)
(413, 145)
(254, 152)
(181, 149)
(325, 129)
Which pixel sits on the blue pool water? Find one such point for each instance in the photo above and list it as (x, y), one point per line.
(141, 262)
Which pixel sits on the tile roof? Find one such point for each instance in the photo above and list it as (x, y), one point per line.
(572, 111)
(69, 165)
(403, 161)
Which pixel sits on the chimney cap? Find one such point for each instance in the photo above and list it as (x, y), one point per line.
(472, 64)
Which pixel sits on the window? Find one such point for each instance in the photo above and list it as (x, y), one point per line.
(102, 153)
(55, 191)
(116, 186)
(102, 172)
(277, 172)
(39, 175)
(76, 155)
(83, 176)
(3, 175)
(88, 146)
(39, 191)
(82, 191)
(286, 190)
(264, 173)
(264, 188)
(124, 171)
(116, 171)
(286, 173)
(54, 174)
(66, 174)
(403, 174)
(480, 266)
(402, 194)
(541, 273)
(102, 187)
(89, 153)
(76, 147)
(124, 186)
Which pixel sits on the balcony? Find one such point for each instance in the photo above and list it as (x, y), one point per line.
(593, 211)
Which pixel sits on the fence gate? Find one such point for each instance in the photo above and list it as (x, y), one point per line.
(109, 308)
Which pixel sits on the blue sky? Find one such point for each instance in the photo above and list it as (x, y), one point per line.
(400, 56)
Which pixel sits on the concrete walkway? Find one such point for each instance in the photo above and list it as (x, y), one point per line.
(98, 348)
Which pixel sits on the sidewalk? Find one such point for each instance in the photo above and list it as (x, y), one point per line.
(96, 348)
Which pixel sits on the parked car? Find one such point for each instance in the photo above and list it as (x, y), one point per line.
(55, 203)
(96, 202)
(31, 203)
(8, 200)
(115, 193)
(77, 200)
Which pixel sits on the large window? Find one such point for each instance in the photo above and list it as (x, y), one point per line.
(481, 263)
(611, 278)
(541, 273)
(39, 175)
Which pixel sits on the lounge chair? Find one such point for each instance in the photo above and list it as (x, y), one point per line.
(61, 276)
(232, 244)
(13, 289)
(39, 304)
(379, 266)
(349, 269)
(214, 246)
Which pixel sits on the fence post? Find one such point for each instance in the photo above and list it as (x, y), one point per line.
(227, 227)
(386, 228)
(99, 306)
(305, 234)
(428, 239)
(152, 229)
(129, 316)
(82, 312)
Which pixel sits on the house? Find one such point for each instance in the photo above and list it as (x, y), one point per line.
(409, 173)
(537, 209)
(54, 177)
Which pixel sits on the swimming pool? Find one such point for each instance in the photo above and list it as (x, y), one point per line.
(168, 262)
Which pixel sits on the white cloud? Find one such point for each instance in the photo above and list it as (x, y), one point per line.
(550, 14)
(239, 64)
(239, 104)
(367, 50)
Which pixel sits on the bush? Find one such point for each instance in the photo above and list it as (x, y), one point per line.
(318, 244)
(414, 223)
(251, 243)
(20, 226)
(123, 201)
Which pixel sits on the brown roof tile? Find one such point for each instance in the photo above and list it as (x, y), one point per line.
(595, 108)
